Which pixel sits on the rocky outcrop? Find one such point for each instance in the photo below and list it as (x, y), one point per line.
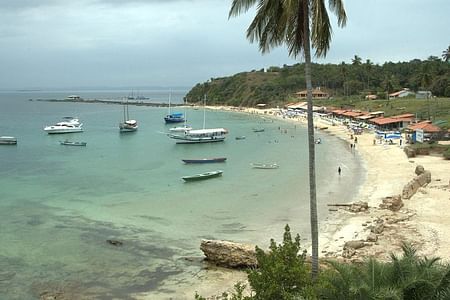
(409, 152)
(229, 254)
(419, 170)
(359, 206)
(393, 203)
(411, 187)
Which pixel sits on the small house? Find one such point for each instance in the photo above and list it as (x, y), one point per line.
(400, 94)
(316, 94)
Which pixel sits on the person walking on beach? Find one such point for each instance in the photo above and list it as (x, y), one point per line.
(339, 170)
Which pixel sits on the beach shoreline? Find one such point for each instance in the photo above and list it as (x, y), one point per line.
(423, 221)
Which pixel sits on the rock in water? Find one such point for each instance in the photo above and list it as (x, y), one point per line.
(229, 254)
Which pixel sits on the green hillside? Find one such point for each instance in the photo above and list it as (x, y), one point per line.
(277, 85)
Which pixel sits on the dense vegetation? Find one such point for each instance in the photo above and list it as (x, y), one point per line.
(277, 85)
(284, 274)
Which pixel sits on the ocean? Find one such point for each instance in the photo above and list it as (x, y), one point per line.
(59, 204)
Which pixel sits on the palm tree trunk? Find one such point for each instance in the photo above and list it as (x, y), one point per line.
(311, 149)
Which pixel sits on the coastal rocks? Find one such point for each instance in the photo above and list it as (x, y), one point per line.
(393, 203)
(377, 228)
(354, 244)
(359, 206)
(411, 187)
(372, 237)
(419, 170)
(410, 152)
(229, 254)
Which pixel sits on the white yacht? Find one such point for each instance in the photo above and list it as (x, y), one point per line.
(67, 125)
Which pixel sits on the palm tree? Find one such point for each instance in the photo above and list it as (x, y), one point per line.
(446, 54)
(408, 277)
(356, 60)
(300, 25)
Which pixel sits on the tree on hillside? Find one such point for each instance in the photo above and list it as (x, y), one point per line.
(356, 60)
(300, 25)
(446, 54)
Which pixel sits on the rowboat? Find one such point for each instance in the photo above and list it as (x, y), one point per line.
(264, 166)
(69, 143)
(258, 129)
(203, 176)
(204, 160)
(8, 140)
(242, 137)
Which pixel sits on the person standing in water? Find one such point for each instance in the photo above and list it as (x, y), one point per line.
(339, 170)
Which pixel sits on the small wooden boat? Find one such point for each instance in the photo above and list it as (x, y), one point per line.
(69, 143)
(242, 137)
(264, 166)
(204, 160)
(8, 140)
(258, 129)
(202, 176)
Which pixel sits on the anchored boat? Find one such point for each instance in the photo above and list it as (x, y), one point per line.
(202, 176)
(204, 160)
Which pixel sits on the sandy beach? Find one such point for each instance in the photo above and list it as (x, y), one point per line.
(423, 221)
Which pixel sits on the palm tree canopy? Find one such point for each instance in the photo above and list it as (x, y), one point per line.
(446, 54)
(280, 22)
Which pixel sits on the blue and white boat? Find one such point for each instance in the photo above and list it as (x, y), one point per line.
(173, 117)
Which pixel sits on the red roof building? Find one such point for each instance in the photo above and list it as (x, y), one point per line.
(316, 94)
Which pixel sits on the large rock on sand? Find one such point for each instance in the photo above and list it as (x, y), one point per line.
(411, 187)
(419, 170)
(229, 254)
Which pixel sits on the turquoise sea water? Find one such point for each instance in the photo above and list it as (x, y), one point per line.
(59, 204)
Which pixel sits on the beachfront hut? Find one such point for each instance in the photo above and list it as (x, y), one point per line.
(316, 94)
(400, 94)
(425, 128)
(392, 123)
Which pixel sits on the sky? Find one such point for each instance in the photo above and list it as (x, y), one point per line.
(167, 43)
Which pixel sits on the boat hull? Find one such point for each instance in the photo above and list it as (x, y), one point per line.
(73, 143)
(203, 176)
(8, 140)
(123, 127)
(204, 160)
(173, 120)
(200, 140)
(52, 130)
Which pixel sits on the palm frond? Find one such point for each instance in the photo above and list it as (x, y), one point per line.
(442, 290)
(240, 6)
(320, 28)
(337, 6)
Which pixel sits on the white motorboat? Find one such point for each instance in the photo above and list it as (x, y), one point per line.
(8, 140)
(68, 125)
(183, 128)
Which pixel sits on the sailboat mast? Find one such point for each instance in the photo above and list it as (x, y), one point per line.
(124, 115)
(204, 112)
(128, 116)
(170, 95)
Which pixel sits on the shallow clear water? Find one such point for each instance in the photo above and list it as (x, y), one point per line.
(59, 204)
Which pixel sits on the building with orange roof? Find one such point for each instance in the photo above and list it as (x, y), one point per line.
(426, 126)
(316, 94)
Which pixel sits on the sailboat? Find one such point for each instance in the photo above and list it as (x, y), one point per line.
(173, 117)
(127, 125)
(185, 127)
(205, 135)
